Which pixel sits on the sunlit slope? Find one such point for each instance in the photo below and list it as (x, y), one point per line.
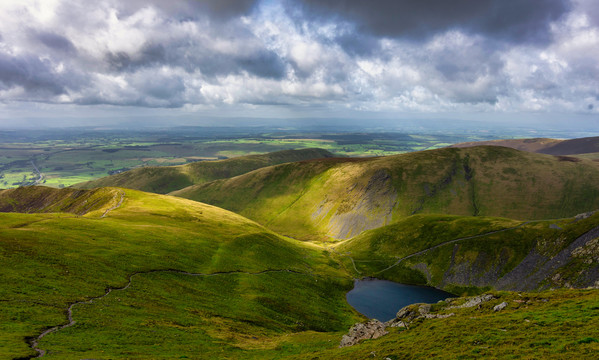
(251, 289)
(165, 179)
(340, 198)
(458, 253)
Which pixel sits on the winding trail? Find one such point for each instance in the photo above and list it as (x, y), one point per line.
(451, 242)
(116, 206)
(331, 248)
(34, 343)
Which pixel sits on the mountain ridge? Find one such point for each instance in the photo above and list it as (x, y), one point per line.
(164, 179)
(544, 145)
(340, 199)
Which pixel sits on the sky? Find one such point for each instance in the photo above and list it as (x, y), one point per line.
(71, 62)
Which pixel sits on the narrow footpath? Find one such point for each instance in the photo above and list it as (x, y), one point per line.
(34, 343)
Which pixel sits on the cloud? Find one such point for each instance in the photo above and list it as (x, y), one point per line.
(220, 10)
(513, 21)
(414, 56)
(56, 42)
(36, 76)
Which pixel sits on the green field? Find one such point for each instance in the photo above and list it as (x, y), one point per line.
(69, 157)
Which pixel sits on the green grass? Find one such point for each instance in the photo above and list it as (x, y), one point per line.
(326, 199)
(68, 157)
(547, 325)
(51, 260)
(489, 249)
(166, 179)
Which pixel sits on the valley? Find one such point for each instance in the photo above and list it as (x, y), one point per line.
(252, 257)
(76, 155)
(299, 179)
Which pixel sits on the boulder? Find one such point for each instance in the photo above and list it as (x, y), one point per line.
(362, 331)
(500, 307)
(474, 301)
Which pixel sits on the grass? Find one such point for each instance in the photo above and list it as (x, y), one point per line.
(54, 259)
(61, 249)
(338, 199)
(547, 325)
(170, 178)
(72, 156)
(489, 249)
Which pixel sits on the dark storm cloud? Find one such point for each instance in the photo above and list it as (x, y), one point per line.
(511, 20)
(189, 9)
(56, 42)
(266, 64)
(358, 44)
(34, 75)
(149, 55)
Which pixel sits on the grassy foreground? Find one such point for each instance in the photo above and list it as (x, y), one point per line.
(53, 260)
(190, 280)
(557, 324)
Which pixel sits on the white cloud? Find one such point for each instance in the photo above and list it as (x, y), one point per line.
(147, 54)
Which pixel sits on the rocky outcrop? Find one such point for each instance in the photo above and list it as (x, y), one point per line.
(363, 331)
(540, 271)
(366, 206)
(415, 314)
(551, 262)
(474, 301)
(411, 313)
(500, 307)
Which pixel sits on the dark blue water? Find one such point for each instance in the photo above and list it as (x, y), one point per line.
(382, 299)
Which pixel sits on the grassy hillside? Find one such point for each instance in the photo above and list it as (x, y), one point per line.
(543, 145)
(151, 276)
(181, 278)
(573, 146)
(165, 179)
(459, 254)
(340, 198)
(40, 199)
(546, 325)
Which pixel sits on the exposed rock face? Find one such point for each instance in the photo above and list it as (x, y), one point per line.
(500, 307)
(411, 313)
(554, 264)
(584, 215)
(362, 331)
(474, 301)
(536, 269)
(367, 206)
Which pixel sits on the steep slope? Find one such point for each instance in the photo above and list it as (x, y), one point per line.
(155, 269)
(574, 146)
(162, 180)
(543, 145)
(457, 253)
(546, 325)
(41, 199)
(340, 198)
